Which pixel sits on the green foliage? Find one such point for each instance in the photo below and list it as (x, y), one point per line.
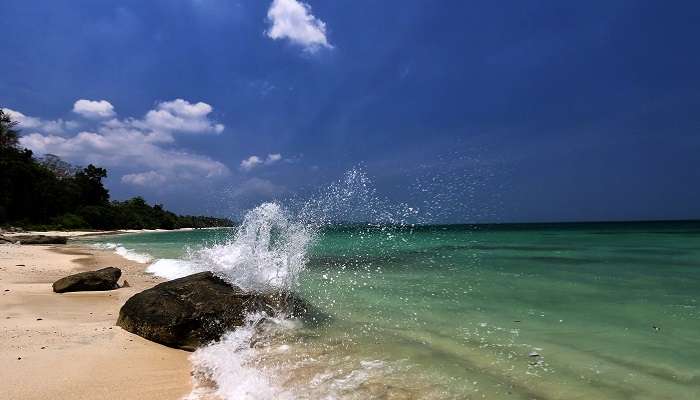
(69, 221)
(9, 137)
(50, 193)
(89, 181)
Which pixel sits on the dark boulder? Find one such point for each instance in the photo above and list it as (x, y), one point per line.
(102, 279)
(189, 312)
(38, 239)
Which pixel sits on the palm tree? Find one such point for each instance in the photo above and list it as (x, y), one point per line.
(9, 137)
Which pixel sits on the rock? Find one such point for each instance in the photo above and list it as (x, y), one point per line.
(126, 283)
(189, 312)
(102, 279)
(36, 239)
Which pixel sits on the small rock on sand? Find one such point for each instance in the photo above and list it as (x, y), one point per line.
(102, 279)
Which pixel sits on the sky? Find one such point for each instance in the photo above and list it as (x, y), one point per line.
(508, 111)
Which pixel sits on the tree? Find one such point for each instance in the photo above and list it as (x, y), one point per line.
(89, 181)
(9, 137)
(59, 167)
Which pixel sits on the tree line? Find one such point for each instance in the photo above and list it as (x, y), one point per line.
(49, 193)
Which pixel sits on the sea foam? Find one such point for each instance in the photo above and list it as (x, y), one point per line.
(128, 254)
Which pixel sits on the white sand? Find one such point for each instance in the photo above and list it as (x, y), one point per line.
(65, 346)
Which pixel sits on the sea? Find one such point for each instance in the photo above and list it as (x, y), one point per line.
(532, 311)
(406, 309)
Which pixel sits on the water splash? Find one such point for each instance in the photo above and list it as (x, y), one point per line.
(268, 251)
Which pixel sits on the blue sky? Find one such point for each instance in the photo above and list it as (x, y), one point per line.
(471, 111)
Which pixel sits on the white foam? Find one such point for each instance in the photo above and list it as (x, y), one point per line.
(105, 246)
(172, 269)
(230, 363)
(132, 255)
(129, 254)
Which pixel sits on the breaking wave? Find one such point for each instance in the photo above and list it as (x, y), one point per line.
(128, 254)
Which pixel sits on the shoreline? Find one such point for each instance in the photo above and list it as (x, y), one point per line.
(89, 233)
(67, 345)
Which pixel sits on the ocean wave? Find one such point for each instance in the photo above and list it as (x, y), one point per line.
(122, 251)
(230, 364)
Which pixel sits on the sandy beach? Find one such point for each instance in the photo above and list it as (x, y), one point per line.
(66, 346)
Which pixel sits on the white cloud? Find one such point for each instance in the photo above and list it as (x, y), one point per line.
(292, 20)
(129, 149)
(250, 163)
(57, 126)
(180, 116)
(143, 146)
(94, 109)
(185, 108)
(148, 178)
(253, 161)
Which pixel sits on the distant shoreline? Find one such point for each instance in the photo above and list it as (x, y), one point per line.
(88, 233)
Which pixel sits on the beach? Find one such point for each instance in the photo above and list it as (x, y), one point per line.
(579, 311)
(67, 346)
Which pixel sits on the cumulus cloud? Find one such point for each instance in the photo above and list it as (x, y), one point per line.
(57, 126)
(148, 178)
(273, 158)
(181, 115)
(292, 20)
(94, 109)
(251, 162)
(130, 149)
(145, 147)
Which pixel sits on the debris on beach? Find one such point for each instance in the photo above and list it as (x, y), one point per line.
(34, 239)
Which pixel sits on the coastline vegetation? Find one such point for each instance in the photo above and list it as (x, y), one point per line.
(48, 193)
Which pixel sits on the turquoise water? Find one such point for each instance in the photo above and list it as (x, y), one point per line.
(582, 311)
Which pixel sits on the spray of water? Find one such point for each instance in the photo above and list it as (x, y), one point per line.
(269, 251)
